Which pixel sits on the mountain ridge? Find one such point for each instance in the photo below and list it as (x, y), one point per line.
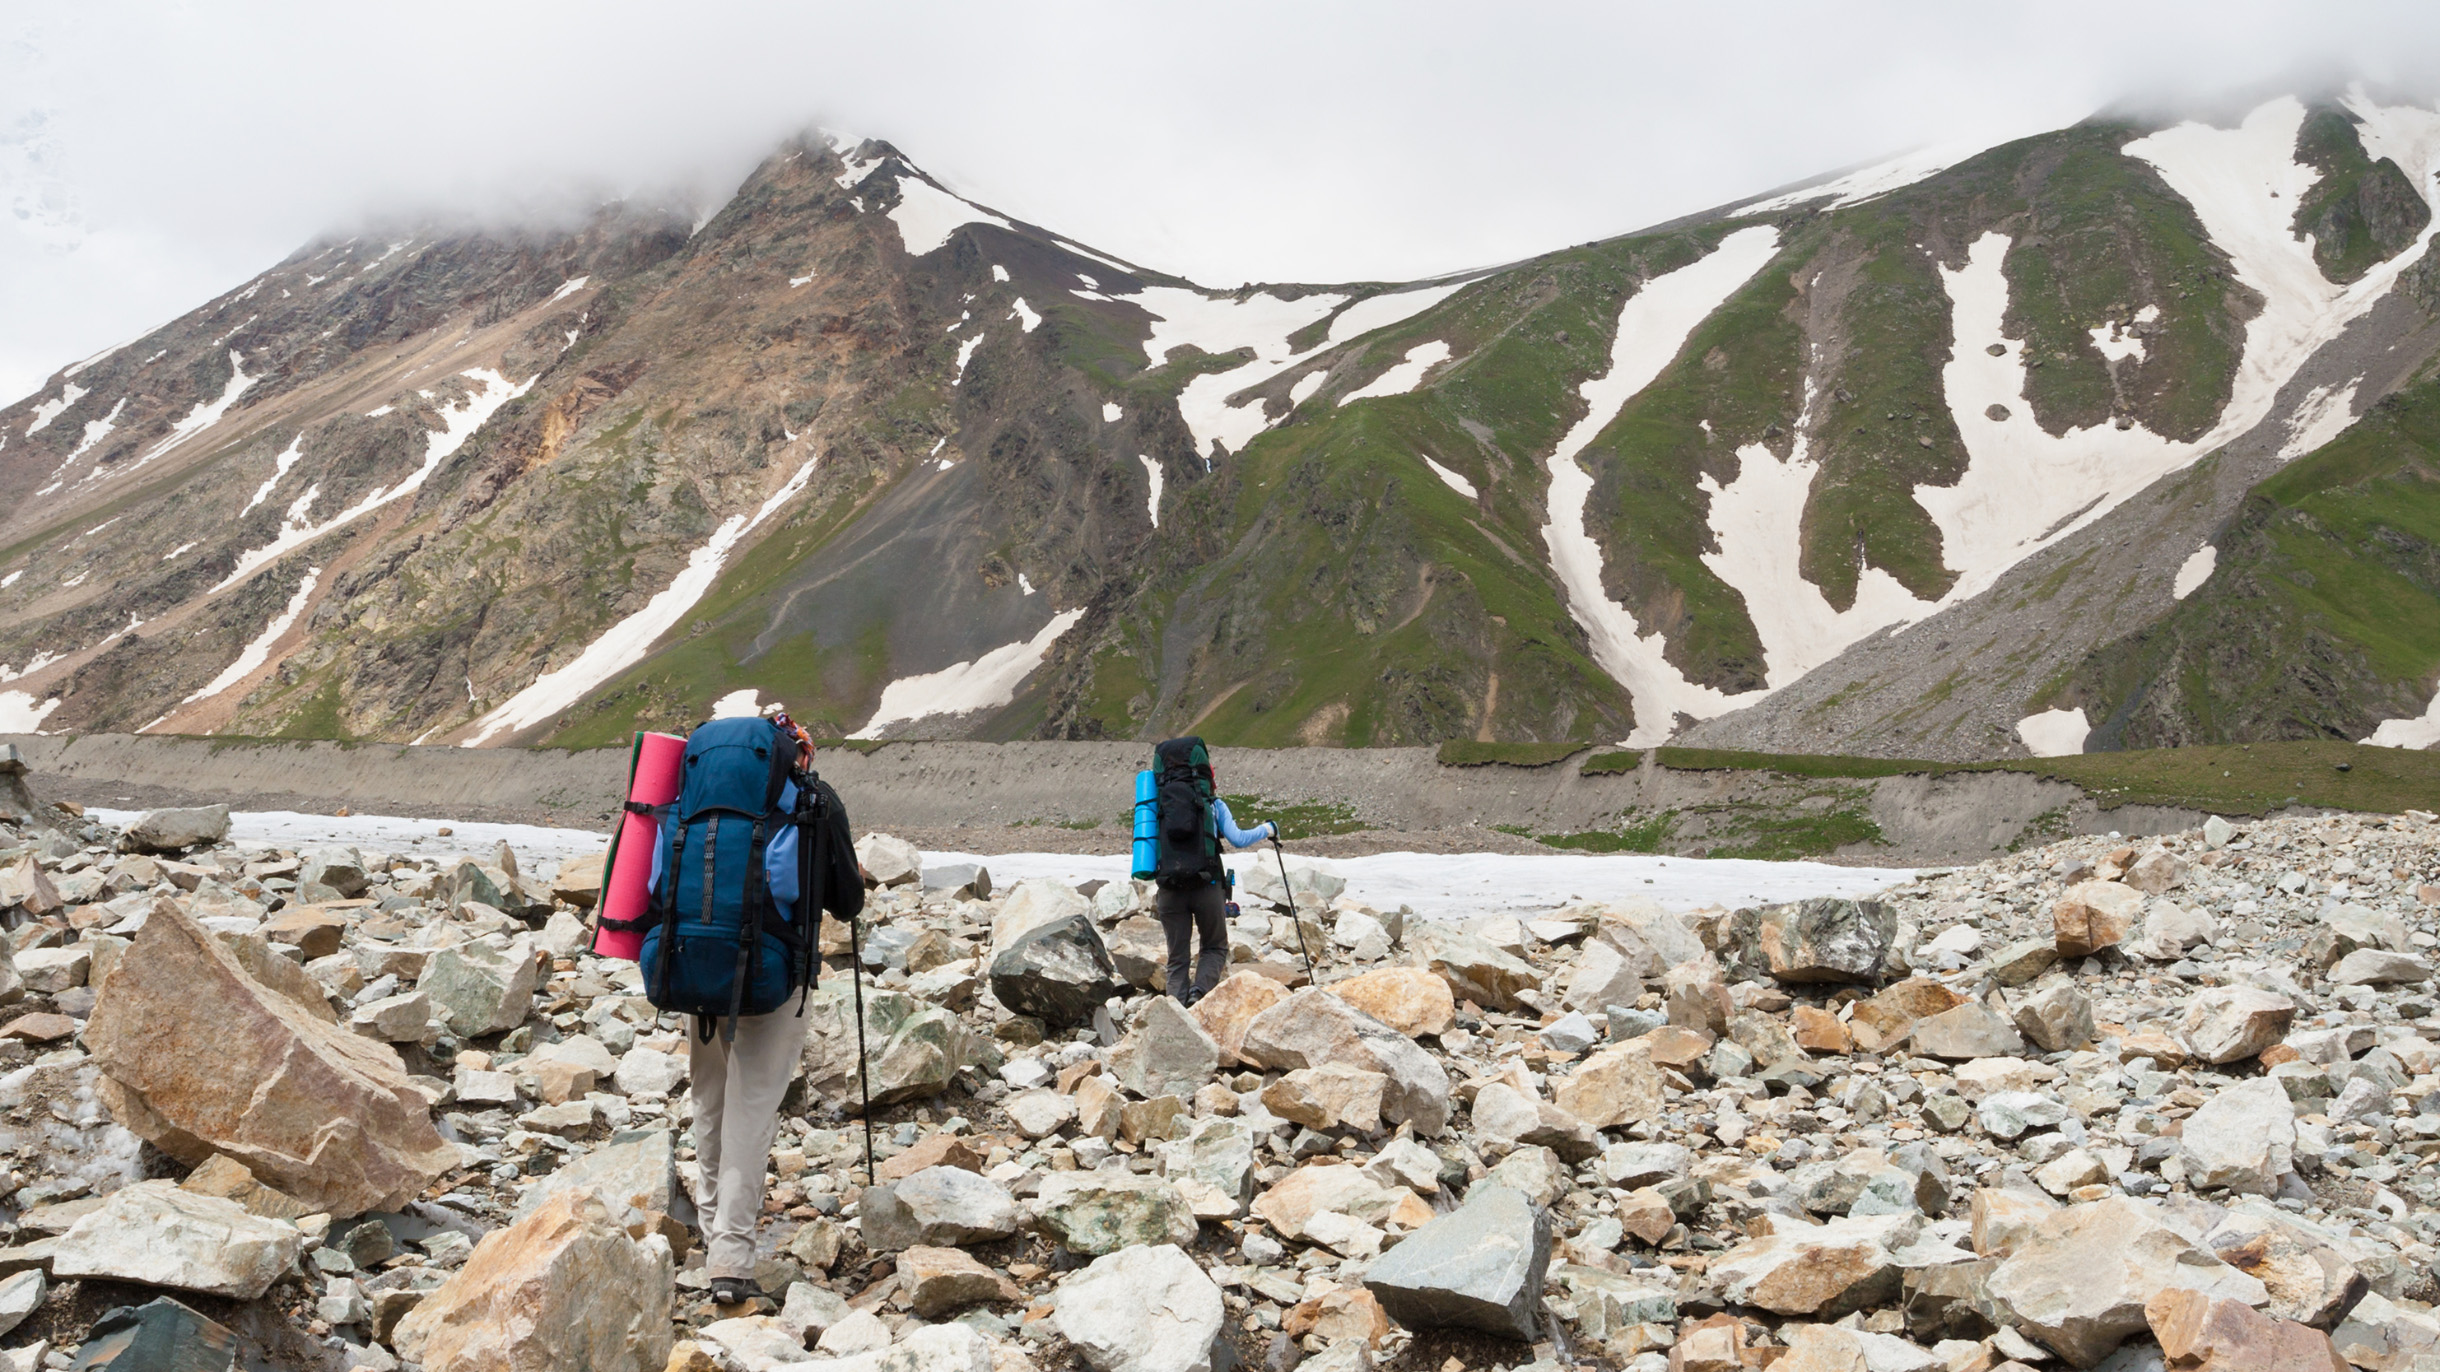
(1007, 486)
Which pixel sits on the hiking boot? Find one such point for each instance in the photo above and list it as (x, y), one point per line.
(735, 1290)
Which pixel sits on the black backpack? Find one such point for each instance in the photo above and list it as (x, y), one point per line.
(1189, 841)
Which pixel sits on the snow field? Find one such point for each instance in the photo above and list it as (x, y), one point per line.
(965, 354)
(1381, 311)
(20, 713)
(459, 422)
(926, 215)
(258, 652)
(1152, 502)
(2194, 571)
(1306, 385)
(1453, 480)
(97, 429)
(205, 414)
(1757, 521)
(2422, 731)
(1876, 180)
(286, 459)
(2323, 414)
(33, 664)
(567, 288)
(2054, 733)
(1452, 886)
(1652, 327)
(1402, 378)
(625, 643)
(745, 703)
(1027, 320)
(49, 410)
(960, 688)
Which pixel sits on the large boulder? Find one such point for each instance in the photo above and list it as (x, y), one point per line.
(1103, 1212)
(2057, 1019)
(1972, 1030)
(331, 872)
(1819, 1271)
(2078, 1280)
(154, 1234)
(1474, 968)
(2207, 1335)
(565, 1287)
(1228, 1008)
(1147, 1308)
(914, 1048)
(2093, 915)
(1165, 1053)
(1615, 1086)
(1477, 1267)
(199, 1058)
(1879, 1023)
(1058, 972)
(479, 990)
(891, 861)
(2242, 1139)
(175, 831)
(1603, 977)
(1313, 1028)
(1408, 999)
(1819, 940)
(638, 1170)
(579, 880)
(1029, 905)
(937, 1207)
(2226, 1024)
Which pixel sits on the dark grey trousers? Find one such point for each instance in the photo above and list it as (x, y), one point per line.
(1186, 915)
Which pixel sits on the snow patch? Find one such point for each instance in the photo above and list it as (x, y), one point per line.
(458, 423)
(962, 688)
(376, 414)
(796, 281)
(1024, 585)
(926, 215)
(965, 354)
(2115, 342)
(2323, 414)
(279, 468)
(1879, 179)
(2422, 731)
(98, 429)
(1152, 501)
(259, 651)
(1404, 377)
(2024, 490)
(998, 272)
(2194, 571)
(567, 288)
(1110, 413)
(1306, 385)
(75, 367)
(11, 578)
(857, 171)
(20, 713)
(2054, 733)
(626, 642)
(1025, 314)
(739, 704)
(34, 664)
(1453, 480)
(171, 555)
(49, 410)
(1652, 327)
(1260, 323)
(205, 414)
(1381, 311)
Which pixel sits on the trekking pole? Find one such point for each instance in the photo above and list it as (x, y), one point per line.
(1296, 919)
(864, 1085)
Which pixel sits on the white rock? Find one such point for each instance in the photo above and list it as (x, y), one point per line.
(2242, 1139)
(1140, 1309)
(154, 1234)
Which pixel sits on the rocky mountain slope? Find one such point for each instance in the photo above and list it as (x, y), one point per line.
(1921, 460)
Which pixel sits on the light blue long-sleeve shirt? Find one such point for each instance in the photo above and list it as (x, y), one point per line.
(1226, 824)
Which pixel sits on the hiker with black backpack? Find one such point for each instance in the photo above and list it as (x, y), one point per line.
(754, 840)
(1179, 803)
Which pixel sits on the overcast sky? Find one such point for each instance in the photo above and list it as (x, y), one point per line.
(153, 155)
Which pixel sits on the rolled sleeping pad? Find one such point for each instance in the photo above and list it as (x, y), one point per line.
(654, 769)
(1146, 856)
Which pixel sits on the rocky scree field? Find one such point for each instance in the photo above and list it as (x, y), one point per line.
(2095, 1104)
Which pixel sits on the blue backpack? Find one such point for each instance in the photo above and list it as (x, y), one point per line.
(718, 943)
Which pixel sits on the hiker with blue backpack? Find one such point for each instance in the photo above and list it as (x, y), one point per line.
(753, 849)
(1180, 821)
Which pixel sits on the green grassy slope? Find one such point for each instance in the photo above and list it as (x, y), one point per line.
(2322, 615)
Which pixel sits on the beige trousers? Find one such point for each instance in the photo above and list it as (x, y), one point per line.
(737, 1089)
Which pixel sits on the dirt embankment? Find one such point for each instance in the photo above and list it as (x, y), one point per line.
(1003, 797)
